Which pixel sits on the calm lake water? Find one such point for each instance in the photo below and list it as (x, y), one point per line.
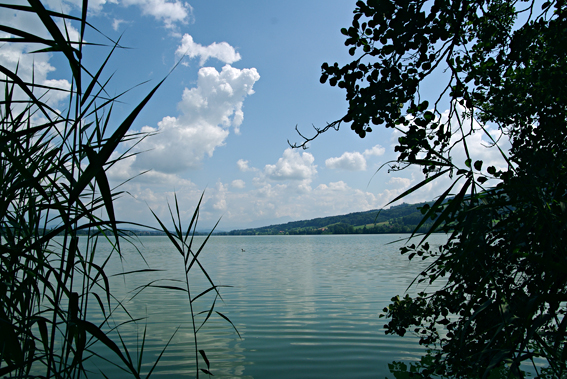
(305, 306)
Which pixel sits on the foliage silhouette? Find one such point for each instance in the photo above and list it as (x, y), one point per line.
(53, 170)
(505, 262)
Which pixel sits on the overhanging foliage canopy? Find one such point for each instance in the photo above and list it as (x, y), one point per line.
(505, 263)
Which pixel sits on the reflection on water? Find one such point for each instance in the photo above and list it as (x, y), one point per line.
(305, 306)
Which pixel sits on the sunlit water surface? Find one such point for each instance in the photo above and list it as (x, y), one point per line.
(305, 306)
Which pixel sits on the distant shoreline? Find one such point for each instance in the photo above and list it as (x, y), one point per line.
(399, 219)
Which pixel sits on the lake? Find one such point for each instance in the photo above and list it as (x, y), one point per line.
(305, 306)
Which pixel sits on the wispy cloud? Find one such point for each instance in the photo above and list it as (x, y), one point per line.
(348, 161)
(169, 12)
(116, 24)
(243, 166)
(238, 183)
(374, 151)
(354, 161)
(221, 51)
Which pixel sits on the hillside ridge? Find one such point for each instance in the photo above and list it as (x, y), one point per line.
(402, 218)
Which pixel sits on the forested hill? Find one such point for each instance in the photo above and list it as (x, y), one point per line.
(397, 219)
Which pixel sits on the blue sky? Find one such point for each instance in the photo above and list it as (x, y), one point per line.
(249, 74)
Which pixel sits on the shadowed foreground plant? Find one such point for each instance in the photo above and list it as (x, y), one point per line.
(184, 244)
(54, 190)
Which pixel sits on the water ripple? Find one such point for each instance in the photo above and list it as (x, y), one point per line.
(305, 306)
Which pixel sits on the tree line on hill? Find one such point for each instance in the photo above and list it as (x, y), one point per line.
(403, 218)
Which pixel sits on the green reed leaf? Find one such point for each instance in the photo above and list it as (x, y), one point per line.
(105, 192)
(96, 332)
(433, 209)
(104, 154)
(227, 319)
(61, 42)
(202, 352)
(161, 354)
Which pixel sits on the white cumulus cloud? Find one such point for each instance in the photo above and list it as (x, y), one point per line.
(221, 51)
(59, 90)
(219, 198)
(116, 23)
(32, 67)
(292, 166)
(348, 161)
(178, 146)
(238, 183)
(208, 111)
(219, 96)
(243, 166)
(399, 183)
(376, 151)
(169, 12)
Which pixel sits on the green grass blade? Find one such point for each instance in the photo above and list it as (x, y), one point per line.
(161, 354)
(452, 207)
(209, 313)
(105, 192)
(227, 319)
(94, 80)
(104, 154)
(16, 79)
(434, 207)
(202, 352)
(194, 220)
(96, 332)
(60, 41)
(419, 185)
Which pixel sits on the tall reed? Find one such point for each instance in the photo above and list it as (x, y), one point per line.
(184, 244)
(53, 183)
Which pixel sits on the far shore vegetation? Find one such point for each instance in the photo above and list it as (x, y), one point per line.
(403, 218)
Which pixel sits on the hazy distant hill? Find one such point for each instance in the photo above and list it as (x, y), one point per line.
(397, 219)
